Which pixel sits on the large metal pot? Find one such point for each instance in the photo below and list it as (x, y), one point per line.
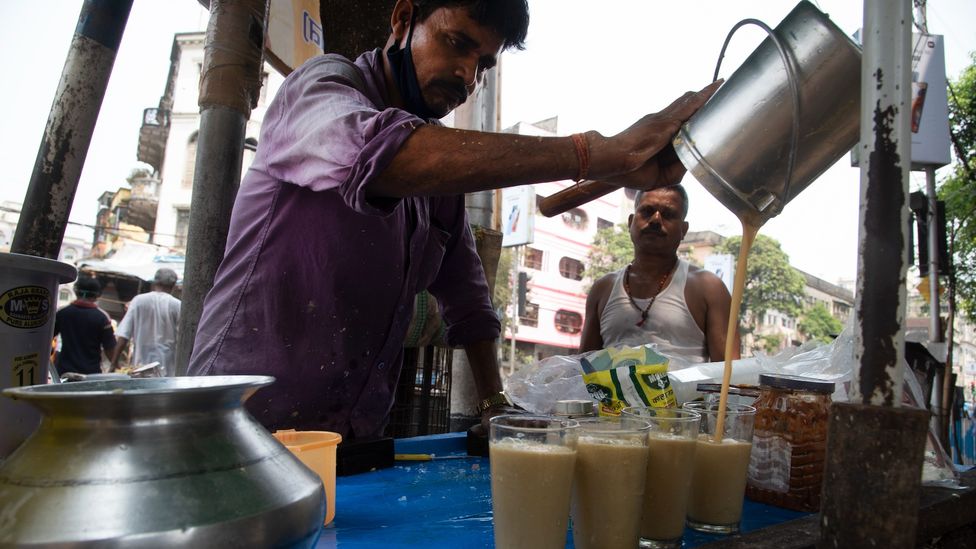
(156, 462)
(783, 117)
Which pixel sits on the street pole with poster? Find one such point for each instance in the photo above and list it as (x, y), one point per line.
(518, 229)
(930, 151)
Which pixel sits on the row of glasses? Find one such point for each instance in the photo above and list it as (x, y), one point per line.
(634, 477)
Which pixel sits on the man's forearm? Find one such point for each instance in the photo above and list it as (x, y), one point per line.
(436, 161)
(120, 343)
(483, 358)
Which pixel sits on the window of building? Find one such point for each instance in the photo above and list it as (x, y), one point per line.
(575, 218)
(568, 322)
(530, 317)
(190, 162)
(571, 268)
(69, 254)
(603, 224)
(182, 226)
(532, 259)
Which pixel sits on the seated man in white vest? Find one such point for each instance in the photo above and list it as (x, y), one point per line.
(659, 298)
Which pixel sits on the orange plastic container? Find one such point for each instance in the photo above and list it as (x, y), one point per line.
(317, 450)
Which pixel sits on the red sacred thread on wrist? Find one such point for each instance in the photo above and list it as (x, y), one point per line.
(583, 155)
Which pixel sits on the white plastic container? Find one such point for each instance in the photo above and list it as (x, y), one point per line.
(28, 303)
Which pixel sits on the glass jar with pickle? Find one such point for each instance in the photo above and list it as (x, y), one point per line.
(790, 441)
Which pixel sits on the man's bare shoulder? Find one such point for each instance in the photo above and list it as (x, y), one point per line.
(604, 284)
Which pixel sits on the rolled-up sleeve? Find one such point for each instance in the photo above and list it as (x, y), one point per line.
(323, 133)
(460, 286)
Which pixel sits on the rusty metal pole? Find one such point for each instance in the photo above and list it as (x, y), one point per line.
(872, 478)
(230, 84)
(69, 129)
(477, 113)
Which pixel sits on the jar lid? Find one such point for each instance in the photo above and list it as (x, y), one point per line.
(574, 408)
(783, 381)
(739, 390)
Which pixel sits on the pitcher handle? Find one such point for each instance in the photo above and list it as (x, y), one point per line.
(794, 88)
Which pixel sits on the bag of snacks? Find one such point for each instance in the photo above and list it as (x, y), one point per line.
(618, 377)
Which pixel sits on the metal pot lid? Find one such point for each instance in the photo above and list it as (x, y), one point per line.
(136, 386)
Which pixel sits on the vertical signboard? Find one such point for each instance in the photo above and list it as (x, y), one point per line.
(518, 216)
(930, 106)
(294, 33)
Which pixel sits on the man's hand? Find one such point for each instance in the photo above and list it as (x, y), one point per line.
(641, 157)
(497, 411)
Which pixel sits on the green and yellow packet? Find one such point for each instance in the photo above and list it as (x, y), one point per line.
(618, 377)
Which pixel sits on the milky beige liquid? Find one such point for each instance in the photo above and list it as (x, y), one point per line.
(608, 493)
(749, 231)
(669, 467)
(530, 490)
(718, 484)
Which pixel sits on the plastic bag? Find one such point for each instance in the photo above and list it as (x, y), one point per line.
(538, 386)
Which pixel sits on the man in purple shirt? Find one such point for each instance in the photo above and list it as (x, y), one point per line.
(354, 203)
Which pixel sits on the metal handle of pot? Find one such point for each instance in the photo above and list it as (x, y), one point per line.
(794, 91)
(574, 196)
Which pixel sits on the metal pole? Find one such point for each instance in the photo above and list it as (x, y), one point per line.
(69, 129)
(885, 153)
(873, 470)
(935, 328)
(513, 322)
(476, 113)
(230, 83)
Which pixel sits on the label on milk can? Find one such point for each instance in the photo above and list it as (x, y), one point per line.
(25, 307)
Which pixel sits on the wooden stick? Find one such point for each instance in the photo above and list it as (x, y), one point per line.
(574, 196)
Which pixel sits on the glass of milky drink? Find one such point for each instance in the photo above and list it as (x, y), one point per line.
(671, 458)
(718, 482)
(608, 486)
(532, 463)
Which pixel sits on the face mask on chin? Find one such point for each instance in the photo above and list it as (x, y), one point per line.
(405, 76)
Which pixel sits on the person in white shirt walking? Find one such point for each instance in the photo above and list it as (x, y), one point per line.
(151, 323)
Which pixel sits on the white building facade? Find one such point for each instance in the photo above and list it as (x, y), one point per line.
(179, 157)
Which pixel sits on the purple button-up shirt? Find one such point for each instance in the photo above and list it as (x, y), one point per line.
(317, 282)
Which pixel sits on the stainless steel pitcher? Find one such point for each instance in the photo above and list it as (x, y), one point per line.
(156, 462)
(780, 120)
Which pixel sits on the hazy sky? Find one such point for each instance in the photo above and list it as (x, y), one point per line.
(597, 65)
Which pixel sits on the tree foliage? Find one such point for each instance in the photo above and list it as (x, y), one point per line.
(612, 250)
(771, 283)
(817, 323)
(959, 190)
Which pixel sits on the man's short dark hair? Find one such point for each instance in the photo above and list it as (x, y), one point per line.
(87, 287)
(508, 18)
(675, 188)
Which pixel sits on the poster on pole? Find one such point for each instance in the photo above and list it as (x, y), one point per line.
(518, 216)
(723, 265)
(294, 33)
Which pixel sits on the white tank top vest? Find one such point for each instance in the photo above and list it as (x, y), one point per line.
(669, 322)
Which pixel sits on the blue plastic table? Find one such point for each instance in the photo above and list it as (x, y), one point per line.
(447, 503)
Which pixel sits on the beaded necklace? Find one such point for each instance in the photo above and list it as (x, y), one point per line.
(660, 287)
